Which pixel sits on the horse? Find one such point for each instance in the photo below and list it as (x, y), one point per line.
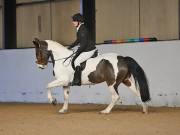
(109, 67)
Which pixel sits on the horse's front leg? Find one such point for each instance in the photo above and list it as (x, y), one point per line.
(50, 86)
(66, 99)
(51, 99)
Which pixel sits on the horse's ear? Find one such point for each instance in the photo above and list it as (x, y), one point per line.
(36, 42)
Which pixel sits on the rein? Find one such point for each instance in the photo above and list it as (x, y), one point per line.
(65, 59)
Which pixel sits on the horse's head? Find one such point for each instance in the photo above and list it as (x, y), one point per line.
(42, 53)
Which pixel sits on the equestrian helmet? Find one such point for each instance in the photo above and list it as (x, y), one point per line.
(78, 17)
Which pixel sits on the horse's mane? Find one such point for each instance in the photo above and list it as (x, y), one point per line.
(53, 45)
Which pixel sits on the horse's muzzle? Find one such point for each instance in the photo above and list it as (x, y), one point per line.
(41, 66)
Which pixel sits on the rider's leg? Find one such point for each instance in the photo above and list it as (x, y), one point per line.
(77, 76)
(81, 58)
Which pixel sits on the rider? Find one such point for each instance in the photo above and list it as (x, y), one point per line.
(86, 47)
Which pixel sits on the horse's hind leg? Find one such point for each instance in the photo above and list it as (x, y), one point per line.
(114, 99)
(130, 83)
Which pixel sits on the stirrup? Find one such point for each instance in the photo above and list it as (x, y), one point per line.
(72, 84)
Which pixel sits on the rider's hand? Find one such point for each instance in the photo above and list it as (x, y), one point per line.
(69, 47)
(73, 66)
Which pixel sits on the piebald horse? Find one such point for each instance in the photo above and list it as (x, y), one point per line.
(110, 68)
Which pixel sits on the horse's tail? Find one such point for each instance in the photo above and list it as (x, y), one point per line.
(139, 77)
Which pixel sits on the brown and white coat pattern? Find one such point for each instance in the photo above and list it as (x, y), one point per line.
(110, 68)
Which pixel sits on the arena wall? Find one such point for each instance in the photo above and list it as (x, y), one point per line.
(22, 81)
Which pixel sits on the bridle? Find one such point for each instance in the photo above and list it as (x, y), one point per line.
(42, 49)
(50, 54)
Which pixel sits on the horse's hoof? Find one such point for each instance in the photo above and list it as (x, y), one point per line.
(104, 112)
(145, 112)
(62, 111)
(54, 102)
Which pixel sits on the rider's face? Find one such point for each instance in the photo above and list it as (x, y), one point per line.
(75, 23)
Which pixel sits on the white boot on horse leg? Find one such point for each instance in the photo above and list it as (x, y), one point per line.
(64, 109)
(115, 98)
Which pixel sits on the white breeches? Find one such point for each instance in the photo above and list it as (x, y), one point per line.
(83, 57)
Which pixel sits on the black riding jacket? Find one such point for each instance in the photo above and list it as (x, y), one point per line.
(83, 41)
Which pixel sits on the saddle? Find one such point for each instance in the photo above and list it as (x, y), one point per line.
(83, 64)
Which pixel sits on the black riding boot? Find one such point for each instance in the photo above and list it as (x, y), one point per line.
(77, 76)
